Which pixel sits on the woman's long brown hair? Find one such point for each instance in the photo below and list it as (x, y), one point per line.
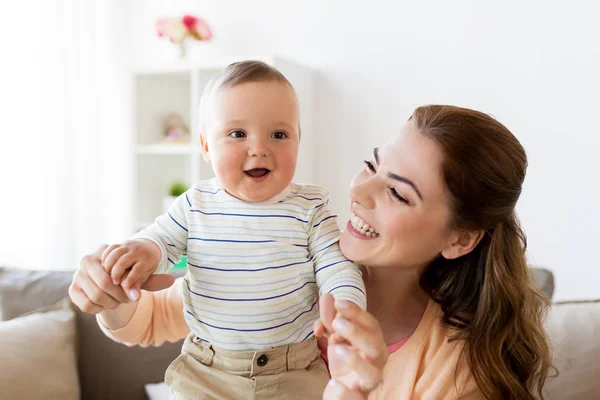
(486, 295)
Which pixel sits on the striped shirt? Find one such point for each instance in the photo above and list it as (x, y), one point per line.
(255, 270)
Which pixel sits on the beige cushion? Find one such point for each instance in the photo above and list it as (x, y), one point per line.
(574, 329)
(37, 355)
(107, 369)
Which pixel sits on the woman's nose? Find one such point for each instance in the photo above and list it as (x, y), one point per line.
(363, 192)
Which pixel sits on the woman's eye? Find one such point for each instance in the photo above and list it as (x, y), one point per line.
(237, 134)
(279, 135)
(397, 195)
(370, 166)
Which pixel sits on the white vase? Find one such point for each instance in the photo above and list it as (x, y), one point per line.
(166, 203)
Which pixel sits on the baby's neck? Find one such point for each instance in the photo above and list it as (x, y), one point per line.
(275, 198)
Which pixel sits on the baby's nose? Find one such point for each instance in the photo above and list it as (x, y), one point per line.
(258, 149)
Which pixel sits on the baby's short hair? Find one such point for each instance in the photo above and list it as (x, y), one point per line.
(233, 75)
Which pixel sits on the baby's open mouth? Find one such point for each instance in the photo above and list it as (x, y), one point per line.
(257, 172)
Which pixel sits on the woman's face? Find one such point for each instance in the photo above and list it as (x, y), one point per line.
(400, 206)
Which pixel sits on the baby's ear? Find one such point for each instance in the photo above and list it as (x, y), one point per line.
(204, 148)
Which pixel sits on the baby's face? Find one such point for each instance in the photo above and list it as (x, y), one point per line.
(252, 139)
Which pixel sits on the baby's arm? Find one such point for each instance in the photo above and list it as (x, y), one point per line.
(156, 318)
(334, 273)
(154, 250)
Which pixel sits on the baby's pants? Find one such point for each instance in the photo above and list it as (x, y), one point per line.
(202, 371)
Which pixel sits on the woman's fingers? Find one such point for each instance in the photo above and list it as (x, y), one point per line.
(368, 343)
(337, 339)
(95, 294)
(369, 376)
(362, 330)
(92, 289)
(104, 281)
(351, 311)
(82, 301)
(335, 390)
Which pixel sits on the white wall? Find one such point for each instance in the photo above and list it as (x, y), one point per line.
(534, 65)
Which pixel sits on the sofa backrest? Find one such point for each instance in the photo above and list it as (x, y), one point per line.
(107, 370)
(110, 370)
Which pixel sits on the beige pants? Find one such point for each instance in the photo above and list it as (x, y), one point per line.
(202, 371)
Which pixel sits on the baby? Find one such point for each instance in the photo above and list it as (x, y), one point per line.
(260, 249)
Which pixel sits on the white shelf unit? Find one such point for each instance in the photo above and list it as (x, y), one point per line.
(177, 87)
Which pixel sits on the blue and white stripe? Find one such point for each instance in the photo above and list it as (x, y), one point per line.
(255, 270)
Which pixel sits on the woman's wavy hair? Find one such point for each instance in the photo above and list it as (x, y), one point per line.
(487, 295)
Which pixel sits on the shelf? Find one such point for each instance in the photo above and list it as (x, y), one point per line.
(167, 149)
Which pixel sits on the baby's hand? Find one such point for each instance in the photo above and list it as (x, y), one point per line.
(131, 263)
(327, 312)
(324, 325)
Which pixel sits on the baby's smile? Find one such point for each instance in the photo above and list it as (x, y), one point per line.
(257, 174)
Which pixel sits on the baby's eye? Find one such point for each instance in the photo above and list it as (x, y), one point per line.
(237, 134)
(279, 135)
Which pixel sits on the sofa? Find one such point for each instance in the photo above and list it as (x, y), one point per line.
(50, 349)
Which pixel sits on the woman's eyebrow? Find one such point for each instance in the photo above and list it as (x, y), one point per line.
(398, 177)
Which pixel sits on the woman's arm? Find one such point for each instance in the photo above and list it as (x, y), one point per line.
(119, 317)
(157, 317)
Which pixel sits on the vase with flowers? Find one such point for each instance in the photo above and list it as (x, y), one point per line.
(182, 30)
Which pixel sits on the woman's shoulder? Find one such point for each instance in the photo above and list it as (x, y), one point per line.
(430, 360)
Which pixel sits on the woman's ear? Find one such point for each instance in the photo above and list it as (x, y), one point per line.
(462, 243)
(204, 147)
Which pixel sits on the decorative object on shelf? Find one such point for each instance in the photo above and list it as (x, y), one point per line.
(176, 189)
(178, 30)
(175, 129)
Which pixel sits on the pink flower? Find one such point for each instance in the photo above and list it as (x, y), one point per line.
(203, 30)
(190, 22)
(197, 27)
(162, 26)
(177, 30)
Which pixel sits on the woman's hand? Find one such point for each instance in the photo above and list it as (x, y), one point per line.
(356, 350)
(93, 291)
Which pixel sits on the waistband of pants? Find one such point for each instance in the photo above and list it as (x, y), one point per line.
(271, 361)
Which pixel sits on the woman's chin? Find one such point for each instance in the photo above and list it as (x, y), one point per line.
(352, 248)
